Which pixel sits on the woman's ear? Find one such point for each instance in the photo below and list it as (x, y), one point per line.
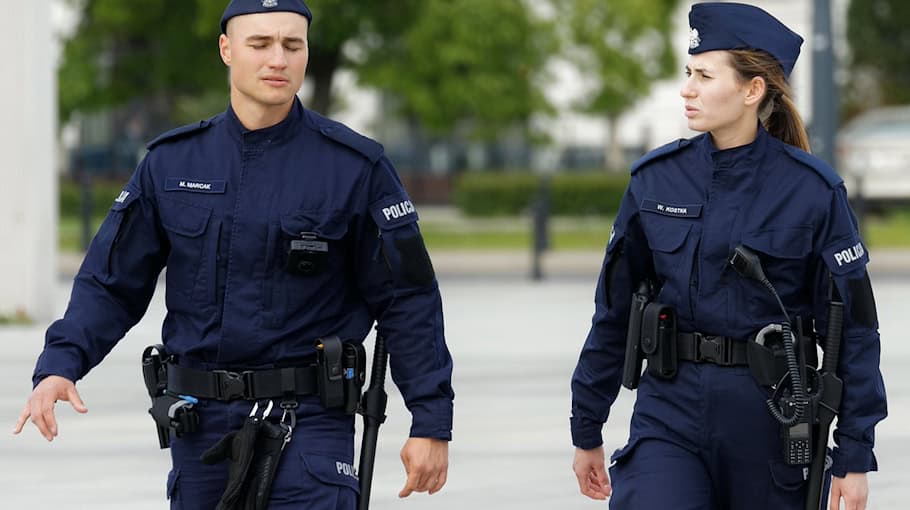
(755, 91)
(224, 48)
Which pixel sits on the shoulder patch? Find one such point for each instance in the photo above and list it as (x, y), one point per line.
(821, 168)
(660, 152)
(180, 132)
(346, 136)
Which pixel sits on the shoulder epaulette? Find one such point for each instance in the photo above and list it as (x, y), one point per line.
(346, 136)
(180, 132)
(815, 163)
(659, 152)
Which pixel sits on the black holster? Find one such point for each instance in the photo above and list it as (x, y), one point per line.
(341, 372)
(170, 412)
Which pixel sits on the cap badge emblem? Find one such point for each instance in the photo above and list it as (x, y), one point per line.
(270, 3)
(694, 39)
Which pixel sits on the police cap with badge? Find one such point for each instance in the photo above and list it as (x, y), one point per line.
(733, 26)
(242, 7)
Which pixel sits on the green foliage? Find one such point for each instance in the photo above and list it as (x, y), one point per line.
(474, 64)
(879, 40)
(103, 194)
(492, 194)
(622, 46)
(140, 49)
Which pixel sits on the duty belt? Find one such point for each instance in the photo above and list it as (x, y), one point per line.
(720, 350)
(248, 384)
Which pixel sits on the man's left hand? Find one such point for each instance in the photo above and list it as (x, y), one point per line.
(426, 462)
(853, 488)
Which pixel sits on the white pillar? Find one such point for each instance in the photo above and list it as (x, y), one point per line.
(28, 177)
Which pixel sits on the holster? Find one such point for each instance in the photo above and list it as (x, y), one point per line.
(170, 412)
(341, 372)
(651, 335)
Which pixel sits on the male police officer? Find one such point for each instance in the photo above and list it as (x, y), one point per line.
(278, 227)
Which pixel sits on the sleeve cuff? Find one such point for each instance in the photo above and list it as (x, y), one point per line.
(58, 361)
(586, 434)
(852, 457)
(432, 419)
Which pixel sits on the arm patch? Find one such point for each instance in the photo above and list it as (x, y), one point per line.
(862, 301)
(416, 267)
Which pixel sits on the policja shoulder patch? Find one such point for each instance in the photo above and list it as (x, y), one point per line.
(396, 218)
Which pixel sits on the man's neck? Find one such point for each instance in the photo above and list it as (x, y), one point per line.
(254, 115)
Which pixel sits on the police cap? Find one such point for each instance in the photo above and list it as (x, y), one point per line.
(241, 7)
(733, 26)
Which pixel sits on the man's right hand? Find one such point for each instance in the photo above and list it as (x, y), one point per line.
(591, 473)
(40, 405)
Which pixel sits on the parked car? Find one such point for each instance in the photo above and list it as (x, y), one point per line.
(874, 155)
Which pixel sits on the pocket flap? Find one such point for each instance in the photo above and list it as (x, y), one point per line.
(184, 219)
(786, 243)
(621, 454)
(331, 471)
(666, 234)
(326, 224)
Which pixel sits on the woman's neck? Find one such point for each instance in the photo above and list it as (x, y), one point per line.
(728, 137)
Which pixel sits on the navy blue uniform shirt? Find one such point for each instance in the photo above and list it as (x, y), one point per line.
(219, 206)
(688, 205)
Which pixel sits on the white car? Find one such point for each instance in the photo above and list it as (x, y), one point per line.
(874, 155)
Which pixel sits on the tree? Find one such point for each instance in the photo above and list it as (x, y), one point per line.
(465, 65)
(879, 41)
(622, 48)
(148, 50)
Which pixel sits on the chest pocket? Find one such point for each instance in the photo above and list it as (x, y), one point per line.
(784, 257)
(307, 253)
(672, 255)
(193, 237)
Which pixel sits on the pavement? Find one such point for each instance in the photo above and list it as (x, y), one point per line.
(515, 343)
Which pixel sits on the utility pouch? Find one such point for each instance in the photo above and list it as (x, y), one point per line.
(354, 358)
(330, 372)
(631, 371)
(658, 340)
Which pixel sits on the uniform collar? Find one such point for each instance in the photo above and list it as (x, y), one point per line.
(737, 156)
(271, 134)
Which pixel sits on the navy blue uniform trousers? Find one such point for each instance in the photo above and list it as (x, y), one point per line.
(315, 472)
(705, 441)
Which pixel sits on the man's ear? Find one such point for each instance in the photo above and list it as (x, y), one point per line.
(755, 91)
(224, 48)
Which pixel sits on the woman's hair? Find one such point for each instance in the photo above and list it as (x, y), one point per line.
(777, 110)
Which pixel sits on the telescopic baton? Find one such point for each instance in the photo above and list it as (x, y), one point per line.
(831, 388)
(373, 410)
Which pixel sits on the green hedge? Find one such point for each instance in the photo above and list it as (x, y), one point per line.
(104, 191)
(492, 194)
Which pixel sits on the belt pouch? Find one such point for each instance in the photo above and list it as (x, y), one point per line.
(238, 447)
(658, 340)
(330, 372)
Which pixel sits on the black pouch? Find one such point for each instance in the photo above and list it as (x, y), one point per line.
(341, 372)
(238, 447)
(658, 340)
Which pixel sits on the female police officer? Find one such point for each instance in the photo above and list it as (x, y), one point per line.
(277, 227)
(704, 438)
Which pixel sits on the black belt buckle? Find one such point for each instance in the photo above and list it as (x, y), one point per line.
(233, 385)
(714, 349)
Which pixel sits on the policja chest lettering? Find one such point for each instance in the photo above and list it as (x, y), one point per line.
(403, 208)
(849, 255)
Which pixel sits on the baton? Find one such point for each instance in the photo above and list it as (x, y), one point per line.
(373, 407)
(829, 401)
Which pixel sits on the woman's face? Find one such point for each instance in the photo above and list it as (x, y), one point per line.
(715, 99)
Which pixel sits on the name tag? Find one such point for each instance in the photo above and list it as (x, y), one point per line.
(194, 185)
(678, 211)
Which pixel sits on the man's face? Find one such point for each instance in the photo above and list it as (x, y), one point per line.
(267, 54)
